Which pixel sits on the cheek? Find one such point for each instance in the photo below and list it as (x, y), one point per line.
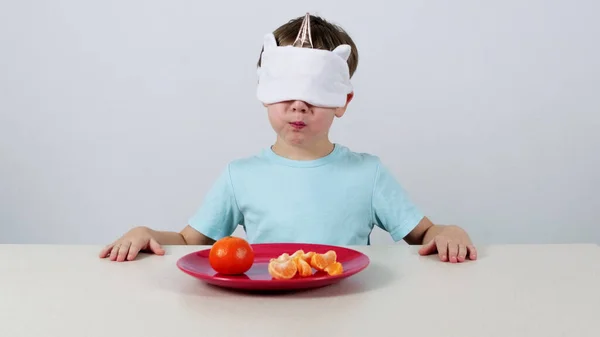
(322, 122)
(276, 118)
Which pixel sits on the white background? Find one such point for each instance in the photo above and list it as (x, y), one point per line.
(121, 113)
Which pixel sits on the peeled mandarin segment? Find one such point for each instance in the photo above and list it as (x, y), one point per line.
(304, 269)
(306, 257)
(283, 257)
(282, 268)
(335, 268)
(330, 256)
(319, 262)
(297, 254)
(301, 254)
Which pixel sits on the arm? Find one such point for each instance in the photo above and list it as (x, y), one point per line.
(187, 236)
(423, 232)
(394, 212)
(146, 239)
(451, 243)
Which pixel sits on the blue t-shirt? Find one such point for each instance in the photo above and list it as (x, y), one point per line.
(336, 199)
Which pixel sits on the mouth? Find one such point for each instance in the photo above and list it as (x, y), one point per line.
(298, 124)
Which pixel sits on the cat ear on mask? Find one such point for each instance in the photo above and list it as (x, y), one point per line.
(343, 51)
(269, 41)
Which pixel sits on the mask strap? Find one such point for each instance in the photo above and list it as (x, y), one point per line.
(303, 33)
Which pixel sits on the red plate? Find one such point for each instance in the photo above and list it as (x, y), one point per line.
(258, 277)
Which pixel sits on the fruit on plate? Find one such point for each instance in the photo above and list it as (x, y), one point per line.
(231, 256)
(334, 268)
(304, 256)
(321, 261)
(283, 267)
(286, 266)
(304, 269)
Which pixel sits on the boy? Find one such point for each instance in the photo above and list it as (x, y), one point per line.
(305, 188)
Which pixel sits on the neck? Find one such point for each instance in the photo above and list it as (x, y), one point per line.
(303, 152)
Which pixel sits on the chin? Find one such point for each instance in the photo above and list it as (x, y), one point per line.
(295, 139)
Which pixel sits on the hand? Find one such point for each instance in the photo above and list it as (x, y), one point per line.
(452, 244)
(129, 245)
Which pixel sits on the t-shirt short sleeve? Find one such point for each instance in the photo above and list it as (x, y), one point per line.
(219, 215)
(392, 209)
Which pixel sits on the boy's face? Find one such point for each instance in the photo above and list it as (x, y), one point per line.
(299, 123)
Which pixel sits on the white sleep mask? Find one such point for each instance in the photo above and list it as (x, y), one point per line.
(316, 76)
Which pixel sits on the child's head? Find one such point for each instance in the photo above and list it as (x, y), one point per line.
(307, 90)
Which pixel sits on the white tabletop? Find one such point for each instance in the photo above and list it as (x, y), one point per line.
(518, 290)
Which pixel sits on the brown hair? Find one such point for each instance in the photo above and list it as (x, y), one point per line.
(325, 35)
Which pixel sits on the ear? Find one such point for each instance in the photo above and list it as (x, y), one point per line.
(343, 51)
(269, 41)
(349, 99)
(339, 112)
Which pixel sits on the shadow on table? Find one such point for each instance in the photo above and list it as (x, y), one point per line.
(374, 277)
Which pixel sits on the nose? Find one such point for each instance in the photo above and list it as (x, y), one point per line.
(299, 106)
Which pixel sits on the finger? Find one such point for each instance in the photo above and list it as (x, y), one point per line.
(114, 252)
(156, 248)
(452, 251)
(442, 248)
(472, 252)
(462, 253)
(428, 248)
(123, 251)
(104, 252)
(134, 249)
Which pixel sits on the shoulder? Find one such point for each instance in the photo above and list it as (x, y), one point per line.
(247, 162)
(358, 159)
(248, 166)
(369, 165)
